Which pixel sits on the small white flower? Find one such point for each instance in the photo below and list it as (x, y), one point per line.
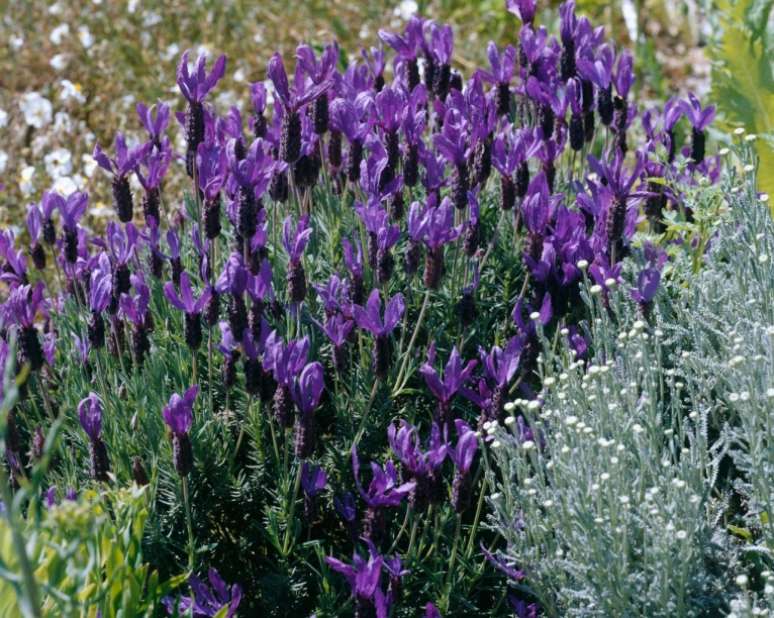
(534, 316)
(496, 444)
(763, 258)
(59, 162)
(85, 36)
(583, 264)
(533, 405)
(59, 33)
(679, 483)
(750, 138)
(741, 580)
(596, 289)
(681, 535)
(548, 504)
(58, 62)
(571, 420)
(65, 186)
(770, 393)
(614, 460)
(70, 91)
(3, 160)
(510, 420)
(723, 152)
(610, 282)
(3, 118)
(509, 406)
(764, 197)
(623, 499)
(25, 179)
(564, 332)
(527, 445)
(17, 42)
(406, 9)
(733, 397)
(749, 168)
(739, 131)
(604, 476)
(37, 109)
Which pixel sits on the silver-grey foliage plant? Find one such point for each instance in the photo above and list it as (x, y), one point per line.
(625, 502)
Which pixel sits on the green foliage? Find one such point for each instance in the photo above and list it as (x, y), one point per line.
(87, 556)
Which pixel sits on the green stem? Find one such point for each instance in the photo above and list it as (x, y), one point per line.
(189, 524)
(31, 594)
(363, 420)
(407, 353)
(291, 514)
(476, 519)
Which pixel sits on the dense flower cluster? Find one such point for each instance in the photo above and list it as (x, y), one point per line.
(552, 124)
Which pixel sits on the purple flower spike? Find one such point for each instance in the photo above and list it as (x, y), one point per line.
(308, 387)
(90, 416)
(195, 86)
(467, 444)
(178, 413)
(384, 489)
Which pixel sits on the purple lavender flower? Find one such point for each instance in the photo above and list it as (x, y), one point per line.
(306, 391)
(338, 328)
(320, 73)
(452, 144)
(441, 48)
(188, 303)
(455, 376)
(363, 578)
(291, 101)
(295, 241)
(700, 119)
(212, 167)
(178, 415)
(155, 119)
(423, 468)
(462, 455)
(384, 491)
(353, 260)
(70, 211)
(21, 308)
(195, 87)
(157, 163)
(370, 318)
(500, 366)
(135, 309)
(207, 601)
(90, 416)
(34, 229)
(503, 66)
(439, 230)
(285, 362)
(313, 481)
(125, 161)
(523, 9)
(599, 71)
(431, 611)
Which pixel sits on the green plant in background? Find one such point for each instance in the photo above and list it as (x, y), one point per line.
(743, 76)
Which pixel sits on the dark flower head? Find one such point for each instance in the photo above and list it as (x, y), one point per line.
(195, 86)
(624, 74)
(90, 416)
(178, 413)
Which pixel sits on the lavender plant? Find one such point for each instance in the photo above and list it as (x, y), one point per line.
(272, 296)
